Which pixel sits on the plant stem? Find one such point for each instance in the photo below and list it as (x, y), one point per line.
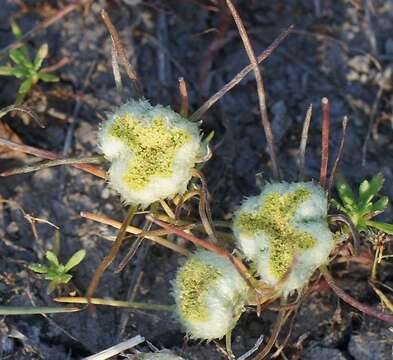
(325, 141)
(351, 301)
(115, 303)
(112, 253)
(33, 310)
(50, 156)
(51, 163)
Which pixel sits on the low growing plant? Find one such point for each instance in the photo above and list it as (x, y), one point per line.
(57, 273)
(362, 208)
(24, 68)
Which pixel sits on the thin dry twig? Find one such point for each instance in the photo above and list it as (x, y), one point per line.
(184, 103)
(44, 154)
(121, 53)
(339, 153)
(325, 141)
(117, 349)
(303, 143)
(199, 113)
(112, 253)
(260, 88)
(51, 163)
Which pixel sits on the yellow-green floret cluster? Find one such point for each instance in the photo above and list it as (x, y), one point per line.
(210, 295)
(152, 151)
(284, 232)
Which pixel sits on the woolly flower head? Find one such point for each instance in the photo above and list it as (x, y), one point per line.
(210, 295)
(152, 151)
(285, 226)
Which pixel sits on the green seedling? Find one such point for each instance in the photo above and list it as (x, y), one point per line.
(362, 208)
(58, 273)
(29, 71)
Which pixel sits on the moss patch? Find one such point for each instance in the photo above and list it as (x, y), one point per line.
(153, 145)
(274, 218)
(194, 279)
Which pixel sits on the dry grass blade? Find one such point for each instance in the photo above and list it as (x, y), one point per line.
(51, 163)
(273, 337)
(120, 53)
(114, 303)
(339, 153)
(260, 88)
(34, 310)
(112, 253)
(184, 104)
(136, 231)
(325, 141)
(24, 109)
(353, 302)
(117, 349)
(50, 156)
(303, 143)
(199, 113)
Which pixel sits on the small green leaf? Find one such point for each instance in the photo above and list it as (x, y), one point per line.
(19, 58)
(6, 71)
(38, 268)
(20, 72)
(42, 53)
(47, 77)
(16, 30)
(65, 278)
(385, 227)
(345, 192)
(339, 207)
(75, 260)
(52, 258)
(381, 205)
(367, 190)
(25, 86)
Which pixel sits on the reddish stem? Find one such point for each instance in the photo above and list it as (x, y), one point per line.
(203, 243)
(325, 141)
(353, 302)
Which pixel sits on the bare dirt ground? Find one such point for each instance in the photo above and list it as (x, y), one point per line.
(339, 49)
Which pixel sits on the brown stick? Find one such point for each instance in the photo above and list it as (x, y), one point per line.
(339, 153)
(353, 302)
(112, 253)
(303, 143)
(121, 53)
(50, 156)
(184, 104)
(325, 141)
(198, 114)
(260, 88)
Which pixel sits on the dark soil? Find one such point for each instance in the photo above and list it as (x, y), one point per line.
(339, 49)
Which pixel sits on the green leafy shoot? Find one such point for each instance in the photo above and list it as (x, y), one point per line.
(57, 273)
(24, 68)
(363, 207)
